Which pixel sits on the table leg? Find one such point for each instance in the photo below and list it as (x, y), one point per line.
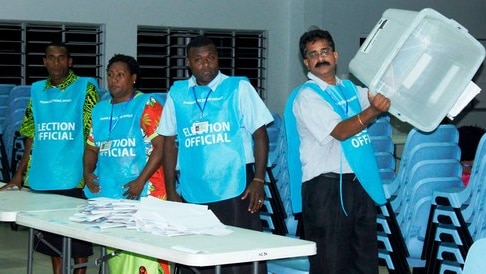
(30, 251)
(217, 269)
(255, 267)
(103, 262)
(66, 255)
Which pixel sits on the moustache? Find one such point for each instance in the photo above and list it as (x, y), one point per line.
(323, 63)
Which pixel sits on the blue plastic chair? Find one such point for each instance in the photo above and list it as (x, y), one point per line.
(422, 173)
(475, 262)
(273, 131)
(20, 91)
(461, 205)
(381, 127)
(6, 88)
(443, 133)
(459, 234)
(382, 144)
(104, 94)
(298, 265)
(422, 151)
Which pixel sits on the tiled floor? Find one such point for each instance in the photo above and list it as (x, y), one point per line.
(13, 254)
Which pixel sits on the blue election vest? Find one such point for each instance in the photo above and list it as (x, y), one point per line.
(211, 153)
(357, 149)
(122, 151)
(58, 117)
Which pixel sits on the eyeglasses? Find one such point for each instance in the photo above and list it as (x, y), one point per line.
(322, 53)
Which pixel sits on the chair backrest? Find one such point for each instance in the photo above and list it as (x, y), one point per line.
(104, 94)
(6, 88)
(425, 169)
(273, 131)
(382, 144)
(476, 181)
(20, 91)
(480, 151)
(380, 127)
(475, 262)
(427, 151)
(4, 100)
(478, 199)
(443, 133)
(417, 209)
(385, 160)
(417, 139)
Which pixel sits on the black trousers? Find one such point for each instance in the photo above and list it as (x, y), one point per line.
(345, 243)
(234, 212)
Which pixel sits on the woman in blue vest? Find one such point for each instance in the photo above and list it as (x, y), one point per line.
(123, 155)
(326, 120)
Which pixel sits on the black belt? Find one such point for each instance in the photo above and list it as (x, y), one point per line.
(346, 176)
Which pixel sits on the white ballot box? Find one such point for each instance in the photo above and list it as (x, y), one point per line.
(422, 61)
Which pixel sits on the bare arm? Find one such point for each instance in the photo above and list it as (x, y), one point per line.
(169, 162)
(255, 190)
(355, 124)
(90, 159)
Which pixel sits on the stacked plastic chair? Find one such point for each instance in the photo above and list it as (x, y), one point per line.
(18, 100)
(3, 110)
(4, 160)
(410, 193)
(426, 177)
(272, 213)
(423, 152)
(6, 88)
(457, 218)
(391, 247)
(443, 134)
(439, 150)
(292, 221)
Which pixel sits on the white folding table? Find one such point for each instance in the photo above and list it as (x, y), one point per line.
(13, 201)
(242, 245)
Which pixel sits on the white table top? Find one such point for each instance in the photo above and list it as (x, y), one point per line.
(195, 250)
(13, 201)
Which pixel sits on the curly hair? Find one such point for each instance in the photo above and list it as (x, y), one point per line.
(131, 63)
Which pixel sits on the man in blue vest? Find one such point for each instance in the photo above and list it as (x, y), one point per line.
(222, 143)
(56, 124)
(337, 178)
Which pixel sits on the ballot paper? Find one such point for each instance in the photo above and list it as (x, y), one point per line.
(469, 93)
(150, 215)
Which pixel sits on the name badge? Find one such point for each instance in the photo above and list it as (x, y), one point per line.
(200, 127)
(105, 146)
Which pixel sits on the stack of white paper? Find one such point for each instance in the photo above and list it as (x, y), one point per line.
(172, 218)
(151, 215)
(107, 213)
